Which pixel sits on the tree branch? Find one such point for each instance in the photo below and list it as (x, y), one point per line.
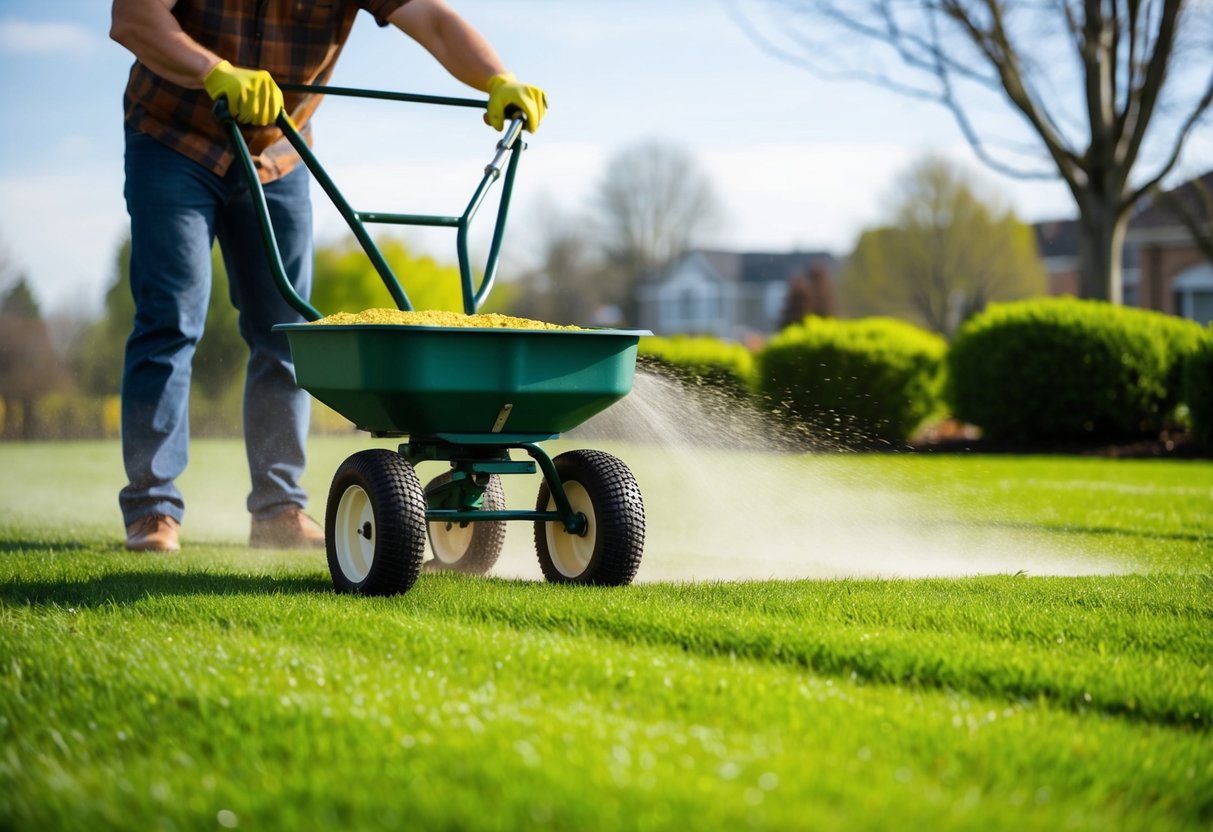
(1201, 230)
(1202, 106)
(997, 49)
(1145, 96)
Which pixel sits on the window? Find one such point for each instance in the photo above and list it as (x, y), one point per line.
(688, 307)
(1202, 307)
(1194, 294)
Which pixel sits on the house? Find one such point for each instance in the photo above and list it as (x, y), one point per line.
(1174, 274)
(1057, 246)
(731, 295)
(1164, 267)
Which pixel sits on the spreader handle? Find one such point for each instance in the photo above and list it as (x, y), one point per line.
(269, 241)
(512, 131)
(508, 145)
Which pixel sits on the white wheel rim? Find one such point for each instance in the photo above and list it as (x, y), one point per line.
(571, 553)
(450, 541)
(354, 534)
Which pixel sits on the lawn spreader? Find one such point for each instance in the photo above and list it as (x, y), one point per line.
(465, 396)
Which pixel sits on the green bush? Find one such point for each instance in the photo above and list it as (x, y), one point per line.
(701, 360)
(1060, 368)
(1198, 390)
(872, 380)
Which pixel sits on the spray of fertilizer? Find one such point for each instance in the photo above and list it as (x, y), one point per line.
(730, 494)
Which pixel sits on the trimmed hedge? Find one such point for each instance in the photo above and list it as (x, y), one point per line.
(868, 381)
(1198, 390)
(1061, 368)
(701, 360)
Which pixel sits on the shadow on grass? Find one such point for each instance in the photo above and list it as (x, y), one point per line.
(9, 547)
(1045, 529)
(135, 585)
(1101, 531)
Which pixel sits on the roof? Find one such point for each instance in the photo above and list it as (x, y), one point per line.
(1196, 194)
(1059, 238)
(1056, 238)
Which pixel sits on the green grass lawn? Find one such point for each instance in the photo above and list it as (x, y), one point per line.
(953, 642)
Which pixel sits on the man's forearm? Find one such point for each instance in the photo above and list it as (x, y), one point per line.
(148, 29)
(454, 43)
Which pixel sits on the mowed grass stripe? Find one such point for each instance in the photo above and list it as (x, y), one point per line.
(469, 724)
(1133, 645)
(1081, 646)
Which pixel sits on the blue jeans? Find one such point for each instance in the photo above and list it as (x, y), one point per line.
(178, 209)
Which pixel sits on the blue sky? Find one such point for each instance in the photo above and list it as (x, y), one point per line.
(797, 161)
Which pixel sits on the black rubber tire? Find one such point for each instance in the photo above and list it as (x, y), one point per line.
(617, 531)
(393, 505)
(487, 539)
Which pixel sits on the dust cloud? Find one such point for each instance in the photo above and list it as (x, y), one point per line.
(731, 494)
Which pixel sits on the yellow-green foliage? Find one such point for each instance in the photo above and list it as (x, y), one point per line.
(77, 416)
(1061, 368)
(326, 421)
(701, 359)
(866, 380)
(347, 282)
(948, 251)
(111, 416)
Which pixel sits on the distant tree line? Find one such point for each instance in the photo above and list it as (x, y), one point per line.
(944, 250)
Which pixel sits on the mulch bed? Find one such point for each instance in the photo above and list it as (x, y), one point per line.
(1168, 445)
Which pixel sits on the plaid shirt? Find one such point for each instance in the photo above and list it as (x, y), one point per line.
(296, 41)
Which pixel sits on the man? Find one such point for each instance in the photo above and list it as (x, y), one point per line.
(183, 192)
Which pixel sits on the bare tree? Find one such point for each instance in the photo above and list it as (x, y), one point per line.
(653, 203)
(567, 280)
(1089, 80)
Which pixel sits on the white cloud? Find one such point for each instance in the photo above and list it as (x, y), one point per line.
(50, 37)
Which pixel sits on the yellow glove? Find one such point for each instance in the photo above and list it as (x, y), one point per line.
(506, 92)
(251, 94)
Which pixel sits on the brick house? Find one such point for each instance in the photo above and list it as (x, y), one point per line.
(1174, 275)
(1164, 268)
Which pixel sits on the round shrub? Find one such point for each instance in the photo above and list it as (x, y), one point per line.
(1198, 390)
(701, 360)
(867, 381)
(1061, 368)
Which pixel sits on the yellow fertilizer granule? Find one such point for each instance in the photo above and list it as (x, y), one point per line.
(435, 317)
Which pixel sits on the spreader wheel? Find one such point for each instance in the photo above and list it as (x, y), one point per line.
(472, 547)
(374, 527)
(603, 490)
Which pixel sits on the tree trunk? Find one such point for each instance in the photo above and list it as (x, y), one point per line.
(1101, 245)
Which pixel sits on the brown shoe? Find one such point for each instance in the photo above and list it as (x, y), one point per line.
(289, 529)
(153, 533)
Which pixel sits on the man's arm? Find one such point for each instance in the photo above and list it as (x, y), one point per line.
(148, 29)
(462, 51)
(467, 56)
